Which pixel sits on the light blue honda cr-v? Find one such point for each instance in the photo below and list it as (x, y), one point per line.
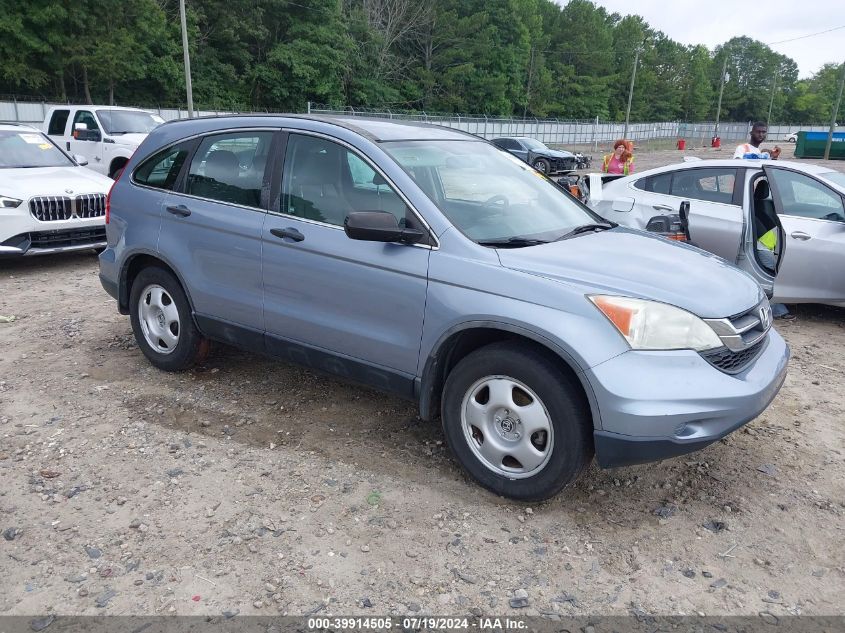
(428, 263)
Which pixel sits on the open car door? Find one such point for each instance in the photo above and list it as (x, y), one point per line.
(813, 221)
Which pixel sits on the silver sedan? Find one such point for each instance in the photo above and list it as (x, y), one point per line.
(782, 222)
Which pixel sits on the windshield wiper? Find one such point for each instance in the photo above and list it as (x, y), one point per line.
(587, 228)
(513, 242)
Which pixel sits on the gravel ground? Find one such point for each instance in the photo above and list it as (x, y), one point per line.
(248, 486)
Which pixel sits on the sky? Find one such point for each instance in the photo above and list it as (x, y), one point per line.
(714, 22)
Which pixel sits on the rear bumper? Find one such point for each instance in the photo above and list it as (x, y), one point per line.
(655, 405)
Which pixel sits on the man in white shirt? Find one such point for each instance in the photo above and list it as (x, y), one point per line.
(752, 148)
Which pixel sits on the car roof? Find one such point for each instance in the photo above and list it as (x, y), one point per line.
(809, 168)
(84, 106)
(18, 127)
(374, 129)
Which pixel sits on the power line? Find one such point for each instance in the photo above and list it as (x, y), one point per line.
(803, 37)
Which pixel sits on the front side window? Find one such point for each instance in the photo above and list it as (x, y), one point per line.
(58, 122)
(230, 168)
(805, 197)
(489, 195)
(162, 169)
(29, 149)
(83, 116)
(324, 181)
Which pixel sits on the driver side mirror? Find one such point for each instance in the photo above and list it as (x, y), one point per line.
(82, 133)
(379, 226)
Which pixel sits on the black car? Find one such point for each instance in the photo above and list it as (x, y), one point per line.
(540, 157)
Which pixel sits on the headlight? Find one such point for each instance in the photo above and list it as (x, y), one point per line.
(9, 203)
(653, 325)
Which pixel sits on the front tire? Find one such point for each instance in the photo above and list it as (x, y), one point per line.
(543, 166)
(162, 322)
(516, 422)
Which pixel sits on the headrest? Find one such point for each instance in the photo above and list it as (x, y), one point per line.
(378, 179)
(317, 168)
(223, 166)
(761, 190)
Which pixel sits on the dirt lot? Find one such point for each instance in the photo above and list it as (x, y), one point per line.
(254, 487)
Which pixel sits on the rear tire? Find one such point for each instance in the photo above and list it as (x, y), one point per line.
(516, 422)
(162, 321)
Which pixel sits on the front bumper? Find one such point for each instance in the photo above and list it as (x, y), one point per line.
(48, 242)
(655, 405)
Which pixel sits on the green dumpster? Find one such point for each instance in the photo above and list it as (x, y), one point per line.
(812, 144)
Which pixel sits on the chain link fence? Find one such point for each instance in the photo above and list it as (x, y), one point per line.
(585, 133)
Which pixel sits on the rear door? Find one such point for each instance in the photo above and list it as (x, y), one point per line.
(812, 269)
(351, 307)
(211, 233)
(715, 196)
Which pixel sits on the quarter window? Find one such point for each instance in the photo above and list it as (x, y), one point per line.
(58, 122)
(802, 196)
(162, 169)
(230, 168)
(324, 181)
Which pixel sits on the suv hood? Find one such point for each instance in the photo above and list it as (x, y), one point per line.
(131, 140)
(635, 264)
(51, 181)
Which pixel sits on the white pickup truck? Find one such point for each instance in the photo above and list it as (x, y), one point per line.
(105, 135)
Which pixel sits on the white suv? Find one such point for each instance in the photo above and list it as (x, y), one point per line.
(105, 135)
(48, 202)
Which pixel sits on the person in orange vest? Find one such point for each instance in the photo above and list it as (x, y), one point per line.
(621, 161)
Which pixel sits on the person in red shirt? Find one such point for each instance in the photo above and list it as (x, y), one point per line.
(621, 161)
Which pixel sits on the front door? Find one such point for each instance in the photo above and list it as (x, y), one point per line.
(813, 219)
(88, 142)
(211, 231)
(350, 307)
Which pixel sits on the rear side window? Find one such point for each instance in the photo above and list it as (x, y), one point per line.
(230, 168)
(58, 122)
(712, 184)
(661, 183)
(162, 169)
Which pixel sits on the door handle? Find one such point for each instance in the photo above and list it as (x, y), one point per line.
(68, 145)
(662, 207)
(800, 235)
(180, 209)
(289, 233)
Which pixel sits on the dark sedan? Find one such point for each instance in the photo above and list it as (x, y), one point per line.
(536, 154)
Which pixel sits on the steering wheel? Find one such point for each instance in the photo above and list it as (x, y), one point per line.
(497, 203)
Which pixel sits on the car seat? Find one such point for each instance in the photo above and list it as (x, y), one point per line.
(314, 192)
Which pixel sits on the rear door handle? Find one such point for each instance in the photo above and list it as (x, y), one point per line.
(662, 207)
(68, 146)
(289, 233)
(800, 235)
(180, 209)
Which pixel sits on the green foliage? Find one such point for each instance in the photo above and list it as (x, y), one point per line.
(531, 58)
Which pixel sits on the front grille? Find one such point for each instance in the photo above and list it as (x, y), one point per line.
(67, 237)
(58, 208)
(51, 208)
(733, 362)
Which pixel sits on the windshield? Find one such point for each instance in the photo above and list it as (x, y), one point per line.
(116, 122)
(533, 144)
(489, 194)
(29, 149)
(836, 177)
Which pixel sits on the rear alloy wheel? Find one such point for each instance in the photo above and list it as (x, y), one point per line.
(542, 165)
(162, 322)
(515, 421)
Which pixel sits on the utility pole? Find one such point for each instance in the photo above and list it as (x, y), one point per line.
(833, 116)
(772, 100)
(721, 91)
(631, 92)
(188, 88)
